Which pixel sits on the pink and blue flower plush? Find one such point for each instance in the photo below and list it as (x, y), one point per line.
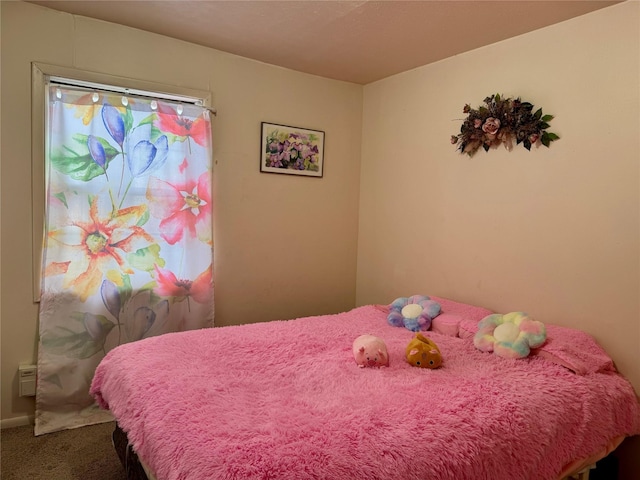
(415, 312)
(512, 335)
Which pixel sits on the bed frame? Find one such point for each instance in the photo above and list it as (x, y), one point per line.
(128, 457)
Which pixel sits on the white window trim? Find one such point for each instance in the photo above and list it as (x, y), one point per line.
(41, 73)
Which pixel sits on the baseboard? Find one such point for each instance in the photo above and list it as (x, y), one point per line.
(17, 421)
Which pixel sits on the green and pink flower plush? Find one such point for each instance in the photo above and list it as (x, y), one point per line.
(512, 335)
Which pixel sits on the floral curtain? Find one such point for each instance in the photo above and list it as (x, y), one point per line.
(128, 238)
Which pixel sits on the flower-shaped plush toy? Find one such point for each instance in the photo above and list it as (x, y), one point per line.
(512, 335)
(414, 313)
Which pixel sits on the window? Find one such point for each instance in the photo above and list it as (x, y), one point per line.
(41, 75)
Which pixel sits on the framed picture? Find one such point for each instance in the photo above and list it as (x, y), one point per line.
(291, 150)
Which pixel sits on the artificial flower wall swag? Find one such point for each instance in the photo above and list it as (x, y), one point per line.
(501, 120)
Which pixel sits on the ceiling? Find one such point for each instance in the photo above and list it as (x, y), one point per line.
(356, 41)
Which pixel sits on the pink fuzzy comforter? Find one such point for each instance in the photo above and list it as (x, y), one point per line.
(285, 400)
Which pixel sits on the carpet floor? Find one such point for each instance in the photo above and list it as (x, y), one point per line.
(81, 454)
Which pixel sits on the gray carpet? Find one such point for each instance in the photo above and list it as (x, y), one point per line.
(81, 454)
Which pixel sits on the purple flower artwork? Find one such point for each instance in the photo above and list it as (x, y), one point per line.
(292, 150)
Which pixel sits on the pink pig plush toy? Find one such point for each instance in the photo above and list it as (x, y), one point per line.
(370, 351)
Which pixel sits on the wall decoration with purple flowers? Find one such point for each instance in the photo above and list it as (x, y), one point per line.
(128, 248)
(291, 150)
(503, 120)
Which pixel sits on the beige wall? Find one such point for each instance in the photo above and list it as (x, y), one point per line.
(284, 246)
(554, 232)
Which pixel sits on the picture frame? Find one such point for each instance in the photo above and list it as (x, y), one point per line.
(291, 150)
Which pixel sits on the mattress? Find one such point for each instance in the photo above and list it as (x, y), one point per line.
(285, 399)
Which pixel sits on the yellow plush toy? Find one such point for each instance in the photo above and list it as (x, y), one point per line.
(423, 352)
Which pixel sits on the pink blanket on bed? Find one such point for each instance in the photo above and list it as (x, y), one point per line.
(286, 400)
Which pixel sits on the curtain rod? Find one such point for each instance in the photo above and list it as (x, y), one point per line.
(91, 86)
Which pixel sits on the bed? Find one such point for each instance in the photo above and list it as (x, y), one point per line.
(286, 400)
